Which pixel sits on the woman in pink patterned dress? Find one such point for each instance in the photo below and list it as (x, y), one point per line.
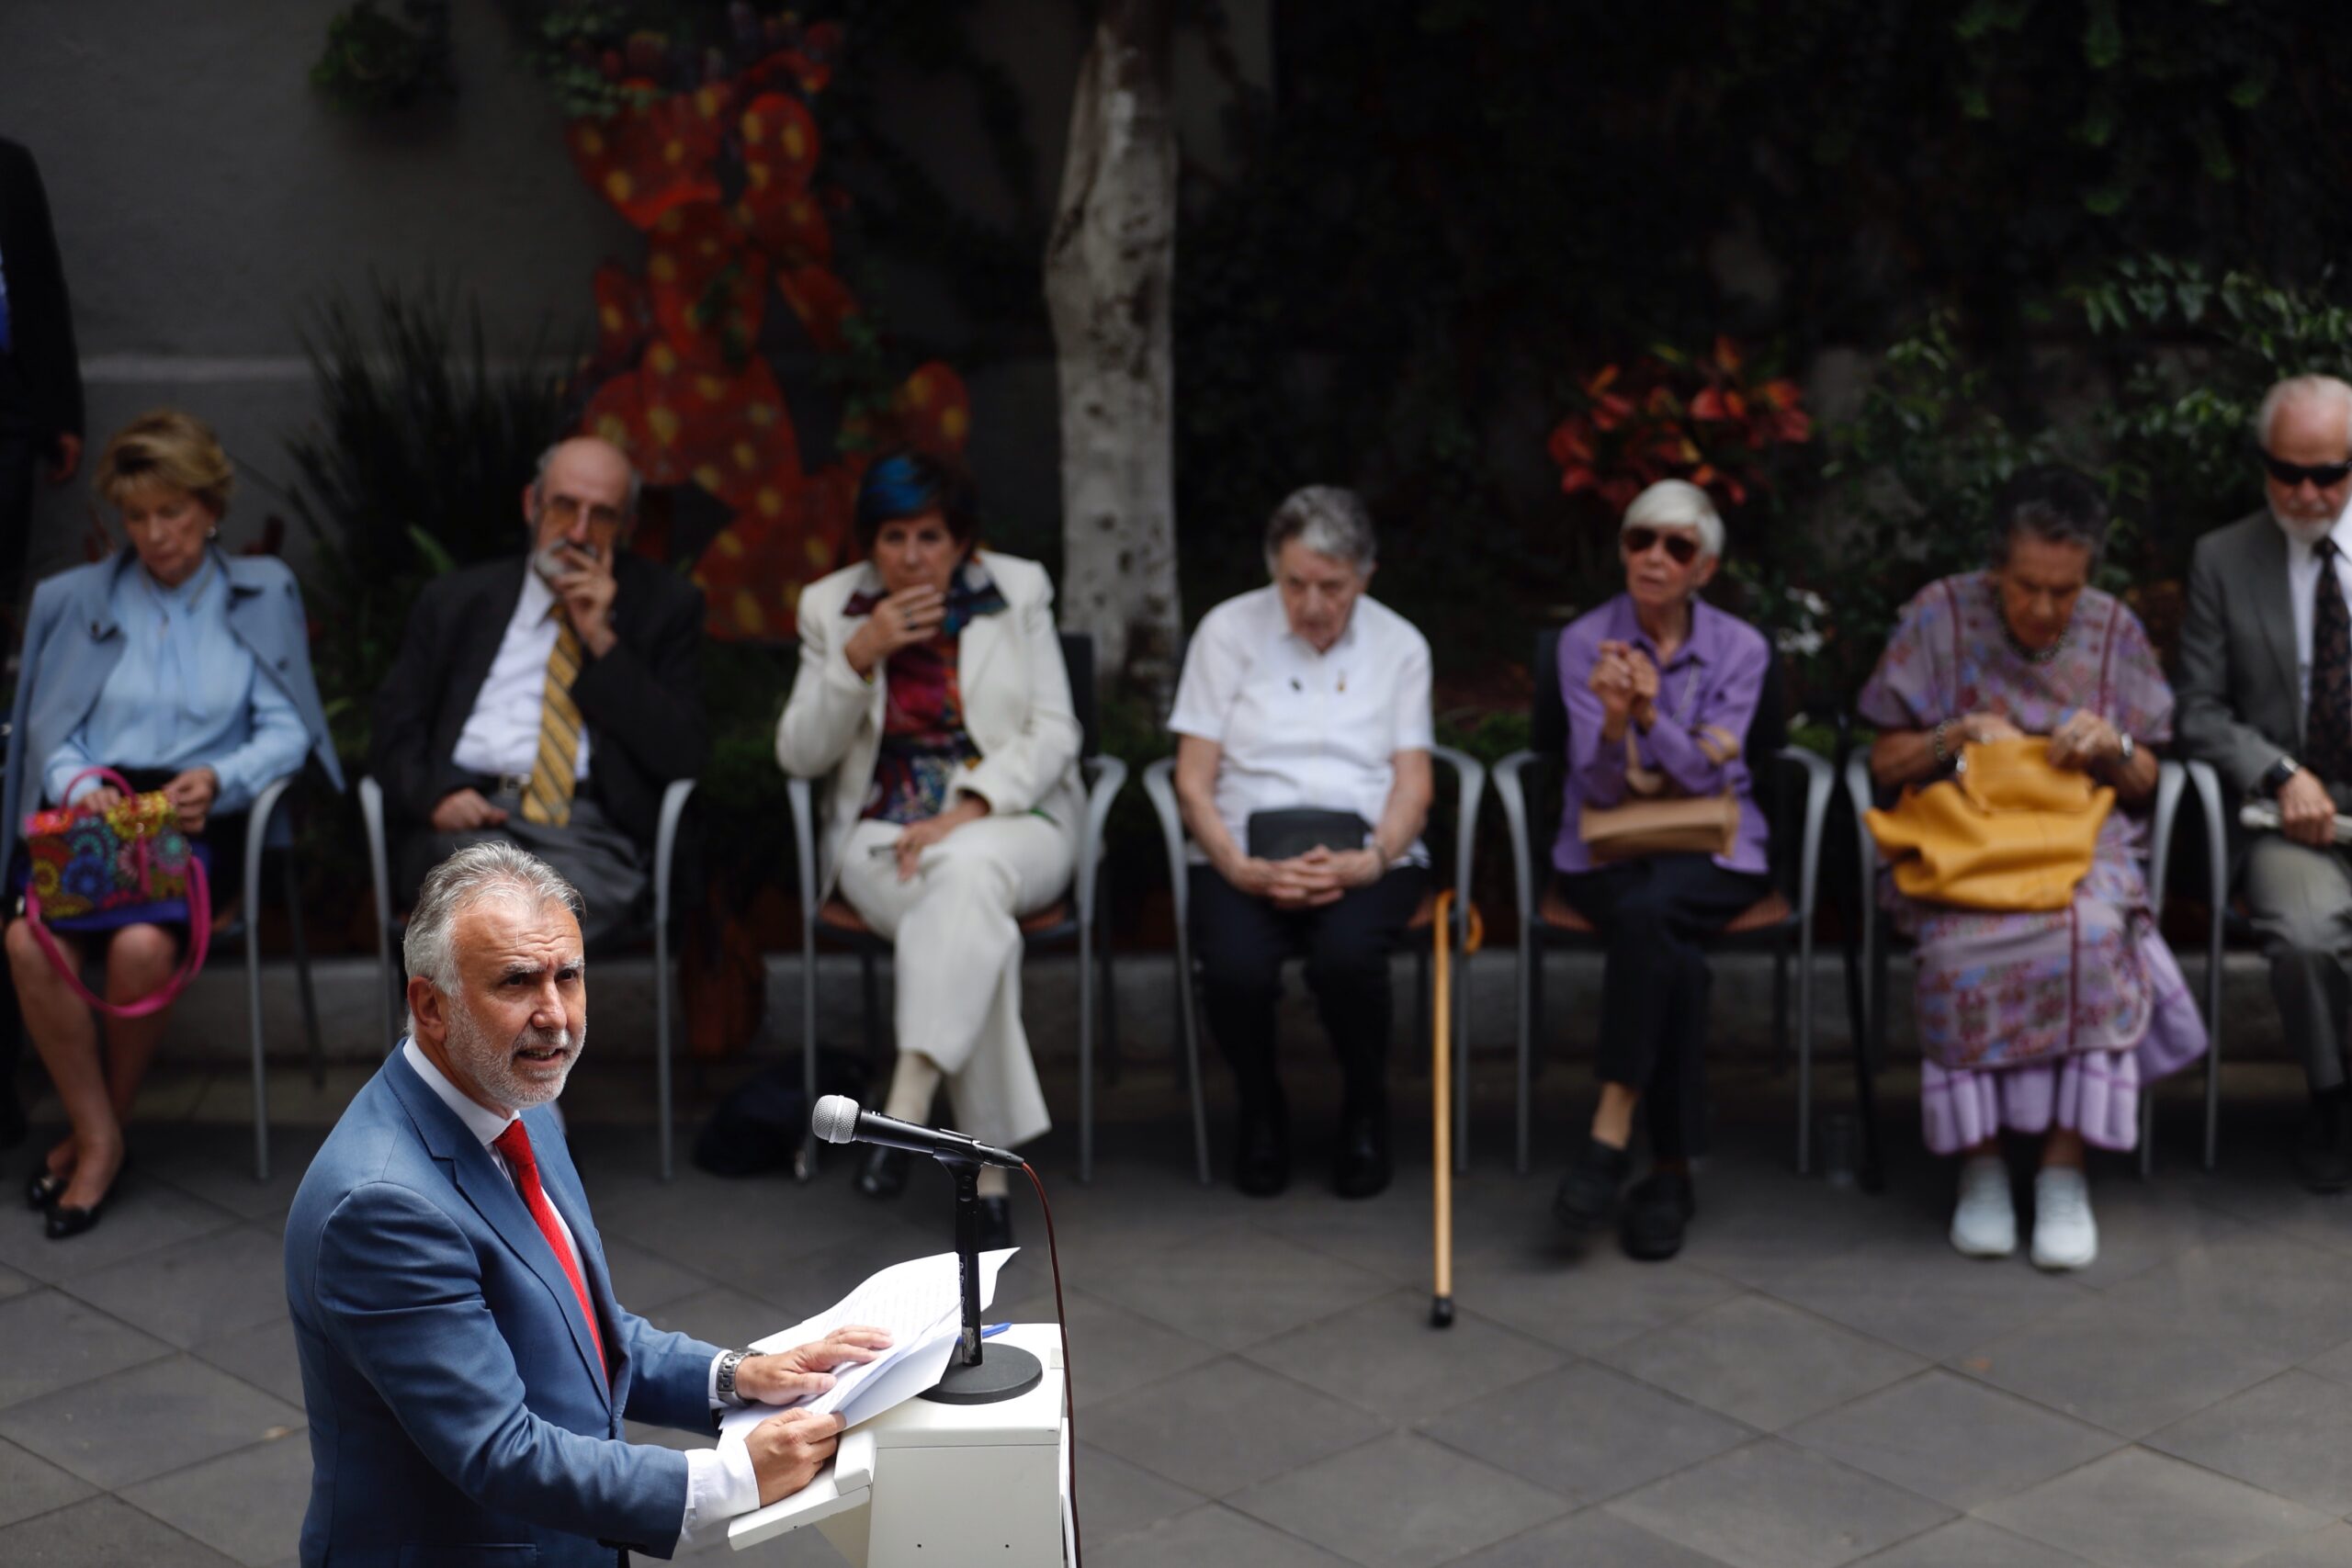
(2044, 1022)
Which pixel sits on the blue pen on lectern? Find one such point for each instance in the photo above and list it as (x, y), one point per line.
(993, 1329)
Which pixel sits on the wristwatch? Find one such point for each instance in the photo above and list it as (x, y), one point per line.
(727, 1365)
(2126, 749)
(2274, 777)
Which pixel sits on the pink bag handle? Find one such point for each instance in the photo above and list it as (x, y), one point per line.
(199, 928)
(106, 774)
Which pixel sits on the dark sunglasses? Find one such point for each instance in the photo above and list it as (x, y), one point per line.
(2323, 475)
(1683, 548)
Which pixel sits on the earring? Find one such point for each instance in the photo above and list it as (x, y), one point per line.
(210, 535)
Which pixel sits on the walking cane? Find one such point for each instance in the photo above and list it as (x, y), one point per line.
(1441, 1095)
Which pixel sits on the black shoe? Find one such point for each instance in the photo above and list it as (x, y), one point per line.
(996, 1224)
(1587, 1189)
(1262, 1153)
(42, 1189)
(2323, 1161)
(1362, 1168)
(63, 1222)
(883, 1172)
(1657, 1210)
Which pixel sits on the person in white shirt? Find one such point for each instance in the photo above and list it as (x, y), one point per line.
(1303, 771)
(2265, 697)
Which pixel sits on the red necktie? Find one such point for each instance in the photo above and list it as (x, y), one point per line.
(516, 1145)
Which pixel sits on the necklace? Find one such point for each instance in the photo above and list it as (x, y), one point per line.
(2037, 656)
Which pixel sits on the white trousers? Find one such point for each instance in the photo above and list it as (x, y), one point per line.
(955, 927)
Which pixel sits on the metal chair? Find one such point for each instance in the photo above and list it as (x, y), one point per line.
(665, 847)
(1878, 941)
(1082, 917)
(1159, 785)
(2222, 924)
(260, 822)
(1780, 922)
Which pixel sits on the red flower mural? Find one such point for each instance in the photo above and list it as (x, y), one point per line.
(1673, 415)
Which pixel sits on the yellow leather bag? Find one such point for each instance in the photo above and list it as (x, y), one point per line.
(2009, 833)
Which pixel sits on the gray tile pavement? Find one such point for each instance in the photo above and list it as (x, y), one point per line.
(1817, 1380)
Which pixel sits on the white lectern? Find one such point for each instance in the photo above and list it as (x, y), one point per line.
(932, 1486)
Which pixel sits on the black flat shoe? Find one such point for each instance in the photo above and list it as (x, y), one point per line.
(1656, 1210)
(1363, 1170)
(2322, 1160)
(1261, 1154)
(996, 1224)
(41, 1190)
(883, 1172)
(63, 1222)
(1587, 1189)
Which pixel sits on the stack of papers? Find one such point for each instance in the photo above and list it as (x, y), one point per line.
(920, 1303)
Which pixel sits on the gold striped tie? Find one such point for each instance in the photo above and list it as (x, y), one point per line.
(554, 775)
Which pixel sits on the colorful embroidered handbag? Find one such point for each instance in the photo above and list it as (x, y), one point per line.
(128, 863)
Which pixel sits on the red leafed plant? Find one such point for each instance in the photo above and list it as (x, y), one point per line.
(678, 381)
(1672, 415)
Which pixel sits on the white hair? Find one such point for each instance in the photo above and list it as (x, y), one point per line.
(1328, 519)
(493, 869)
(2295, 389)
(1677, 503)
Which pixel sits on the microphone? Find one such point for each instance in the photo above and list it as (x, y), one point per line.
(838, 1120)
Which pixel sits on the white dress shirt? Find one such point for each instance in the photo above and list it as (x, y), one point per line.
(2303, 584)
(502, 734)
(1299, 729)
(720, 1482)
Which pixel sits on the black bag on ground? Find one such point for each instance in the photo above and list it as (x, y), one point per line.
(759, 1124)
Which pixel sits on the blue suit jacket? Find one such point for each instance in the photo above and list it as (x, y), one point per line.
(458, 1416)
(71, 645)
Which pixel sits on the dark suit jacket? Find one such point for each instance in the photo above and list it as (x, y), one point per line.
(642, 702)
(49, 373)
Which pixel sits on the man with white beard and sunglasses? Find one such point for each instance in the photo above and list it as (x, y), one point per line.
(2265, 697)
(466, 1368)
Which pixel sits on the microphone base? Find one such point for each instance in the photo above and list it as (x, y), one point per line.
(1006, 1372)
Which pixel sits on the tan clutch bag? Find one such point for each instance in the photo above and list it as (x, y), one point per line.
(1659, 822)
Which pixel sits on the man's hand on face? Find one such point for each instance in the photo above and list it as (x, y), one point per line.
(2306, 811)
(585, 585)
(788, 1450)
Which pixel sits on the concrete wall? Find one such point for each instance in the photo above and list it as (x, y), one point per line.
(205, 197)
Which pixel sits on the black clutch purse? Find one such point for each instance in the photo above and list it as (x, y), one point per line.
(1286, 835)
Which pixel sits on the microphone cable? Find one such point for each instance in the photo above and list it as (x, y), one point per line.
(1061, 1323)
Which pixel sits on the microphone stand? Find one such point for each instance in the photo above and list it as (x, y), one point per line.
(971, 1379)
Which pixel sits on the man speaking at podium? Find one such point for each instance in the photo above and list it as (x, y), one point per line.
(465, 1365)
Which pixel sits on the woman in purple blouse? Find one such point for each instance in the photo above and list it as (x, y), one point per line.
(1682, 679)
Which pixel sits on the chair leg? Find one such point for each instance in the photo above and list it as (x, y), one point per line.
(1085, 1052)
(253, 1016)
(2147, 1131)
(1461, 1021)
(878, 1058)
(805, 1167)
(1187, 1027)
(661, 1083)
(293, 880)
(1530, 959)
(1106, 979)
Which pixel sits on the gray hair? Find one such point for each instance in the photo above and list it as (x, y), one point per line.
(1678, 503)
(492, 869)
(1328, 519)
(2057, 506)
(2295, 389)
(539, 479)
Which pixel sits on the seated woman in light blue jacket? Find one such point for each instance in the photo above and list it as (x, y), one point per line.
(183, 668)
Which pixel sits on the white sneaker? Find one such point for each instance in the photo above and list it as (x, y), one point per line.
(2065, 1235)
(1984, 1225)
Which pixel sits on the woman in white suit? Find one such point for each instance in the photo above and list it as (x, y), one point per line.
(931, 696)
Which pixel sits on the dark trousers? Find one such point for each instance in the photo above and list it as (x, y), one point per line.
(1240, 942)
(1653, 913)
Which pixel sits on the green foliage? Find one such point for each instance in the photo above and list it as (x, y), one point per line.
(375, 61)
(417, 464)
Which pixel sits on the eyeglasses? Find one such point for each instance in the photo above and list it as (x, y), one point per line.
(565, 509)
(2324, 475)
(1683, 548)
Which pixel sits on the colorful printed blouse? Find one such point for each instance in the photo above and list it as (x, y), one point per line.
(924, 743)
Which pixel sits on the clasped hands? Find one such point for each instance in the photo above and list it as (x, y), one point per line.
(2081, 742)
(1627, 683)
(788, 1449)
(191, 794)
(1319, 877)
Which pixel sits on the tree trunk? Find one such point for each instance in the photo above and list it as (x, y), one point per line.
(1109, 267)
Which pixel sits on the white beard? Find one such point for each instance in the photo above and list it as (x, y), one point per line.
(2305, 534)
(492, 1065)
